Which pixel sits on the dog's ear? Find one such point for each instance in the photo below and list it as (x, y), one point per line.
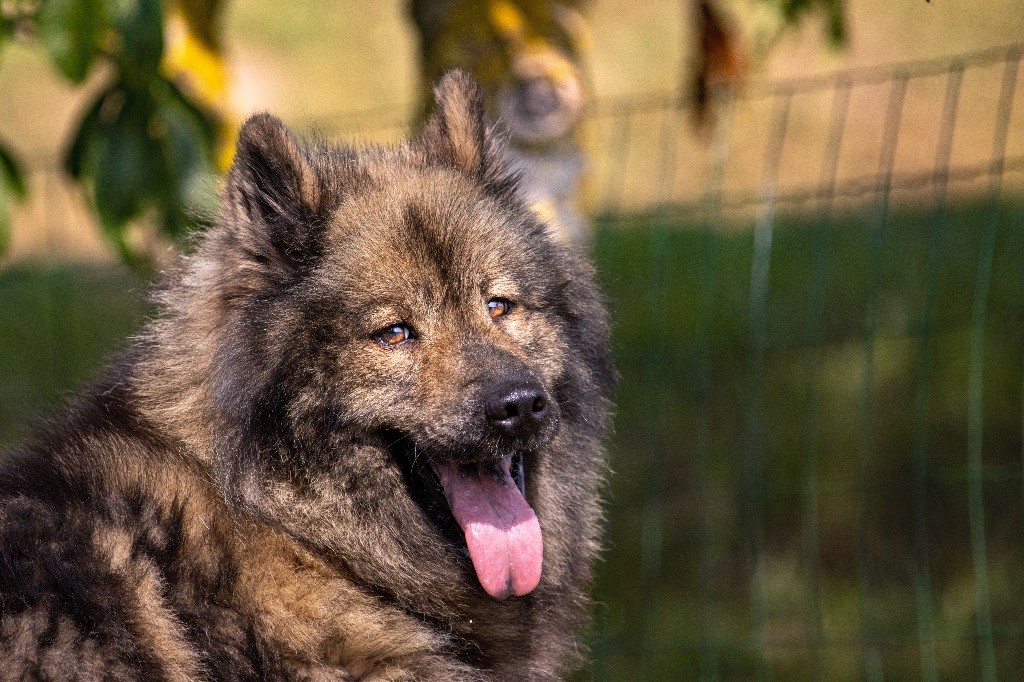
(274, 193)
(457, 133)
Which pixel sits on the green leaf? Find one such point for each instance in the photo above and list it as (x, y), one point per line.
(792, 11)
(71, 30)
(5, 221)
(12, 183)
(139, 24)
(129, 169)
(145, 148)
(140, 263)
(11, 175)
(836, 24)
(204, 20)
(188, 151)
(197, 114)
(75, 158)
(6, 28)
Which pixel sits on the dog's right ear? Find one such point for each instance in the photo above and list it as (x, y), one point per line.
(457, 133)
(274, 194)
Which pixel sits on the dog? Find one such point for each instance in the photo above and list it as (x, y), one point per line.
(360, 439)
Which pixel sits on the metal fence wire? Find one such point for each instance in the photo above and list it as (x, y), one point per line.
(819, 454)
(818, 301)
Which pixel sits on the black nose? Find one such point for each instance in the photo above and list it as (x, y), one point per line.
(517, 411)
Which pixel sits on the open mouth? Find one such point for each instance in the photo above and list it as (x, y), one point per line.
(481, 508)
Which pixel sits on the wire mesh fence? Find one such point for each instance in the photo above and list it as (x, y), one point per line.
(820, 330)
(818, 301)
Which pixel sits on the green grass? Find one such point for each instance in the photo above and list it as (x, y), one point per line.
(57, 325)
(726, 441)
(715, 459)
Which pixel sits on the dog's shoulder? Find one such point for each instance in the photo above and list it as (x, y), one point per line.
(94, 523)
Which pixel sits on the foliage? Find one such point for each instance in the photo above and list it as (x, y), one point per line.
(142, 147)
(793, 10)
(12, 185)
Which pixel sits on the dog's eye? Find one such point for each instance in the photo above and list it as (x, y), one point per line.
(499, 307)
(394, 335)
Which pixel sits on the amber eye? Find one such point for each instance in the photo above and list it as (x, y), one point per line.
(499, 307)
(394, 335)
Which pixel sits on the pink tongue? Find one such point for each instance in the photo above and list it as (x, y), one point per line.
(501, 529)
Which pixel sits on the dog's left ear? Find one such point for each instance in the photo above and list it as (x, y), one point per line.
(273, 172)
(457, 133)
(274, 195)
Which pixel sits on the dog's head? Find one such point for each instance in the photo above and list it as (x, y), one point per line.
(406, 368)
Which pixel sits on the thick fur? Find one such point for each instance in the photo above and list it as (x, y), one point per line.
(236, 499)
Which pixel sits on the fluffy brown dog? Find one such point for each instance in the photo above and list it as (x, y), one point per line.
(360, 441)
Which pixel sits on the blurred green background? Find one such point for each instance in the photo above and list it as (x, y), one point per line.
(818, 455)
